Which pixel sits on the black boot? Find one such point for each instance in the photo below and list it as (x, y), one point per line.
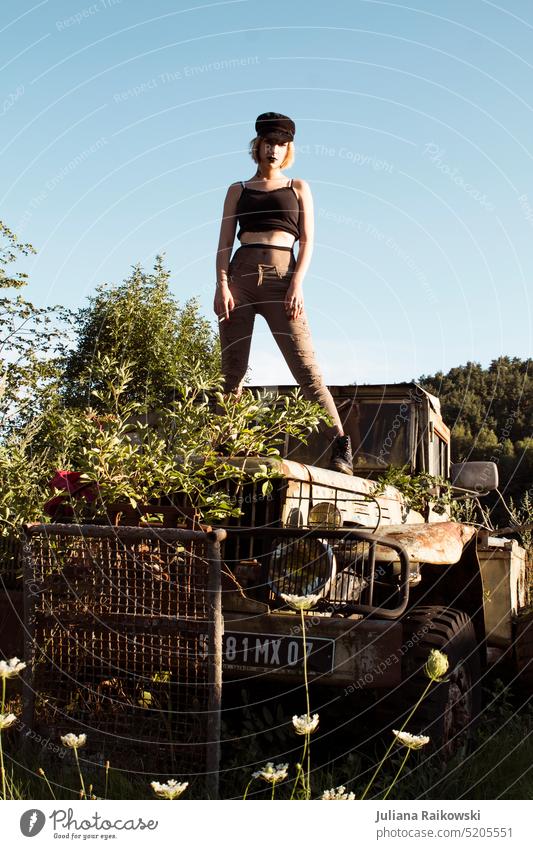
(341, 456)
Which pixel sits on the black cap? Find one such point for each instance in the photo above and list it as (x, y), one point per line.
(274, 124)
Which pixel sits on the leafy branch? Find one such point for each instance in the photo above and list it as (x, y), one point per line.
(420, 491)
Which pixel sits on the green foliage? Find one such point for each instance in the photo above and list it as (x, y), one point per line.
(420, 491)
(30, 347)
(131, 406)
(10, 250)
(490, 413)
(488, 401)
(140, 457)
(139, 325)
(467, 510)
(22, 476)
(31, 339)
(499, 765)
(522, 514)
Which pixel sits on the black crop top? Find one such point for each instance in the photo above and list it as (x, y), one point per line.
(277, 209)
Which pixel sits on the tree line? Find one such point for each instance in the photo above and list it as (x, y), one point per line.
(490, 413)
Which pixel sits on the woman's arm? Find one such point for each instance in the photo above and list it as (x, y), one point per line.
(223, 302)
(294, 302)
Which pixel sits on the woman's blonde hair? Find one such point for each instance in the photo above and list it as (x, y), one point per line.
(289, 156)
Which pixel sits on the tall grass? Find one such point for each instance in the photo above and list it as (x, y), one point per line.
(498, 766)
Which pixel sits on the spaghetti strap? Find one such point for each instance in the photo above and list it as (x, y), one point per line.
(242, 184)
(290, 184)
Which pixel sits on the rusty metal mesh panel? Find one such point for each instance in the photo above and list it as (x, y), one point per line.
(119, 627)
(119, 576)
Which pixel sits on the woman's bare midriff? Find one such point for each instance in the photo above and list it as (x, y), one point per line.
(269, 237)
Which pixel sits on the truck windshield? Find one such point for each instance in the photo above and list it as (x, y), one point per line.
(379, 434)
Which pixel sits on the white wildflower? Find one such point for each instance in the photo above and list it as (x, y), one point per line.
(338, 793)
(171, 790)
(436, 666)
(271, 773)
(412, 741)
(305, 724)
(10, 668)
(73, 741)
(300, 602)
(6, 719)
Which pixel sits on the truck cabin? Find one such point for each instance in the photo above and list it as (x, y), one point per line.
(397, 425)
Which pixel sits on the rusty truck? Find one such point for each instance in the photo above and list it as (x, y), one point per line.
(392, 581)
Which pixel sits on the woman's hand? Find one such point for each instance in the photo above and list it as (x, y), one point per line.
(294, 300)
(223, 303)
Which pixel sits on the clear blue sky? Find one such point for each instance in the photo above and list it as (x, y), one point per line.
(123, 122)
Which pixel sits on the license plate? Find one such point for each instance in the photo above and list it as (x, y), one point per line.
(242, 650)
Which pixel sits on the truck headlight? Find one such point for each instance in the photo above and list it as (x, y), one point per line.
(302, 567)
(325, 515)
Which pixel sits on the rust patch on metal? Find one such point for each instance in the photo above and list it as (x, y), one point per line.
(440, 543)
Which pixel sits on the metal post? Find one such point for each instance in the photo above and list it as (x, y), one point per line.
(215, 631)
(29, 587)
(371, 572)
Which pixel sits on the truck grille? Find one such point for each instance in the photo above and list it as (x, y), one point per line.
(337, 565)
(335, 569)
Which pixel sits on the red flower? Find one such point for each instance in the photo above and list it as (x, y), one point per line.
(72, 484)
(58, 505)
(65, 480)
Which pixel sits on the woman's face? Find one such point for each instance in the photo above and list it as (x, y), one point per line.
(272, 151)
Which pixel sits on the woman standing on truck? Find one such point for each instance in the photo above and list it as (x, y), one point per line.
(265, 277)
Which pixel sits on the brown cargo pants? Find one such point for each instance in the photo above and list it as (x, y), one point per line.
(258, 279)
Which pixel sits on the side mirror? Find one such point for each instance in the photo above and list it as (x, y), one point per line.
(479, 476)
